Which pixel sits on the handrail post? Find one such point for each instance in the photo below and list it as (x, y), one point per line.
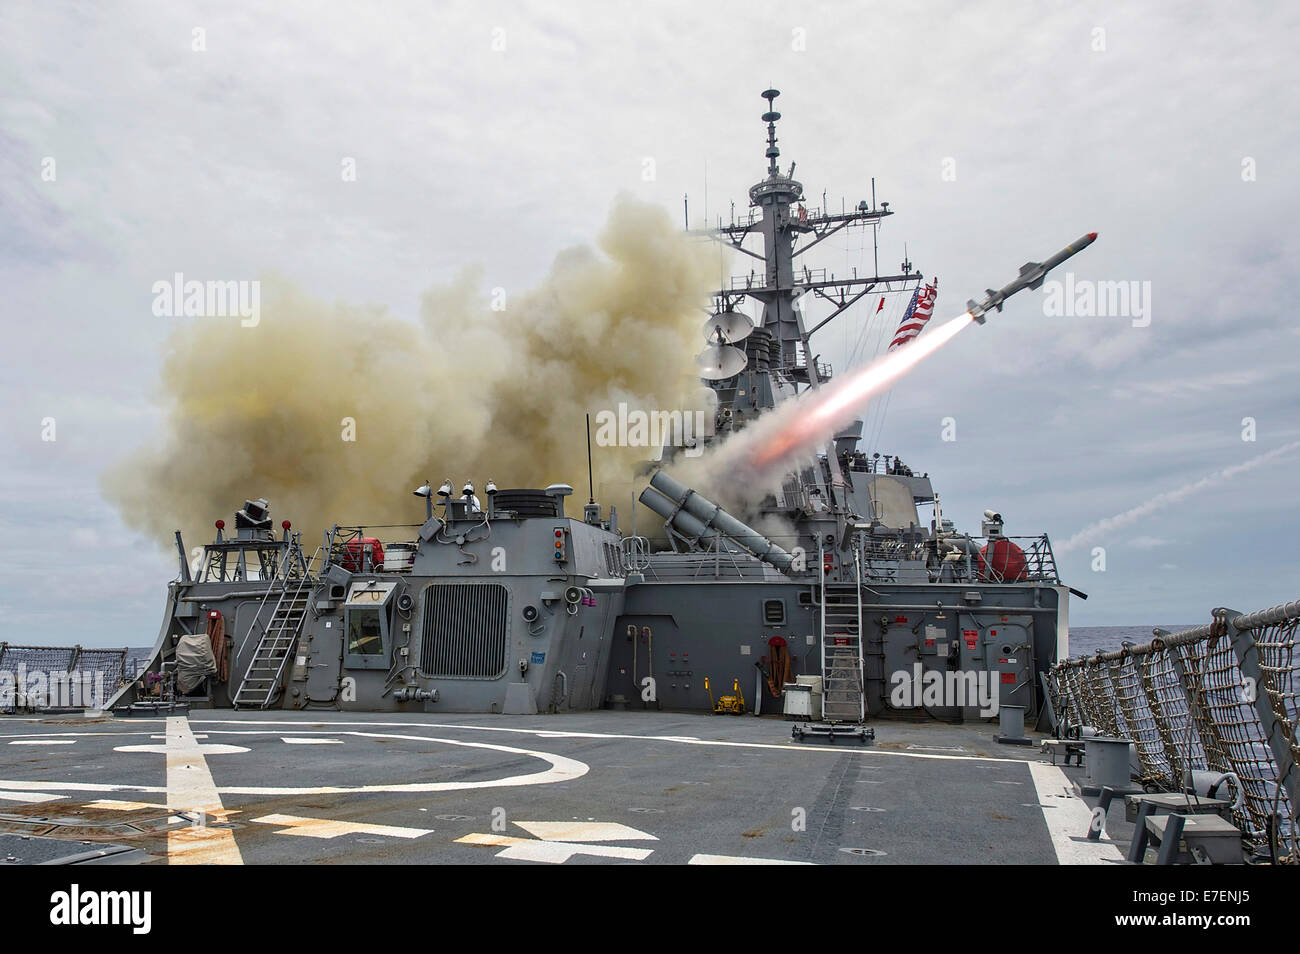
(1264, 693)
(821, 581)
(862, 668)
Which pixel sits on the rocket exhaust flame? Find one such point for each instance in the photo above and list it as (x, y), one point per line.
(801, 427)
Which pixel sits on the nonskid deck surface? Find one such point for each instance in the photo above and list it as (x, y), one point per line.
(666, 788)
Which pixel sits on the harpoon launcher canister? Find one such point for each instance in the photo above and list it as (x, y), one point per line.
(1031, 276)
(701, 519)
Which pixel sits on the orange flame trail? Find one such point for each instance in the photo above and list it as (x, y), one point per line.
(804, 425)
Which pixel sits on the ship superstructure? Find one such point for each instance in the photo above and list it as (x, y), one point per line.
(861, 597)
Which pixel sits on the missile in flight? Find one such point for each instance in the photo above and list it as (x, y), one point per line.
(1031, 276)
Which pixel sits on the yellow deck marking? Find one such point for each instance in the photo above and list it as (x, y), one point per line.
(190, 789)
(551, 852)
(329, 828)
(584, 831)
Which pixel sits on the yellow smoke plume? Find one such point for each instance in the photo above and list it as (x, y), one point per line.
(467, 392)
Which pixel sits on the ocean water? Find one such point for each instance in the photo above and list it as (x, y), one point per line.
(1086, 640)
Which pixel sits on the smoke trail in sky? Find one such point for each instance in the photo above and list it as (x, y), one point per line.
(1160, 501)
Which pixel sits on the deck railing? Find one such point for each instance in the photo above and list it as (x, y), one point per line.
(1219, 698)
(66, 673)
(880, 556)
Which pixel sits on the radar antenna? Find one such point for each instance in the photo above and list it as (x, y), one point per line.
(728, 327)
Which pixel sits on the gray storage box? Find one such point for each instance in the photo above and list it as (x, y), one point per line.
(798, 700)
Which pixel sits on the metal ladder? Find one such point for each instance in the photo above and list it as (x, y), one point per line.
(261, 682)
(841, 645)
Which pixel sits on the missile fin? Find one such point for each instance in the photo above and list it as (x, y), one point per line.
(1032, 275)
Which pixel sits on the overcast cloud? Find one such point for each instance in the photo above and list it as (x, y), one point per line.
(225, 163)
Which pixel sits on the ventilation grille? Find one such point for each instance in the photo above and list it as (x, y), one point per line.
(465, 630)
(525, 503)
(774, 611)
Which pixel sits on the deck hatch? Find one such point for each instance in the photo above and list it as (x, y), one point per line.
(465, 630)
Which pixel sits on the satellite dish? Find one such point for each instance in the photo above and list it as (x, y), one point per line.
(728, 327)
(721, 361)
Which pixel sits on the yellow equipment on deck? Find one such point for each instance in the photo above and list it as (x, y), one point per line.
(734, 704)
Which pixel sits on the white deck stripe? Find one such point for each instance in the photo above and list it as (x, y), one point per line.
(190, 789)
(292, 741)
(561, 769)
(553, 734)
(738, 860)
(22, 785)
(1068, 820)
(79, 734)
(30, 798)
(43, 742)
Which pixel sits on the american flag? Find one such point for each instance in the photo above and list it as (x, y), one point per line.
(918, 313)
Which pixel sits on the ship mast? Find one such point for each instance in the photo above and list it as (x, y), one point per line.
(782, 230)
(781, 358)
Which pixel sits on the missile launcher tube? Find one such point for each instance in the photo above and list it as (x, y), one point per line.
(705, 516)
(682, 522)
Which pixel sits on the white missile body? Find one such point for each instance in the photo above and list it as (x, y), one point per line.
(1031, 276)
